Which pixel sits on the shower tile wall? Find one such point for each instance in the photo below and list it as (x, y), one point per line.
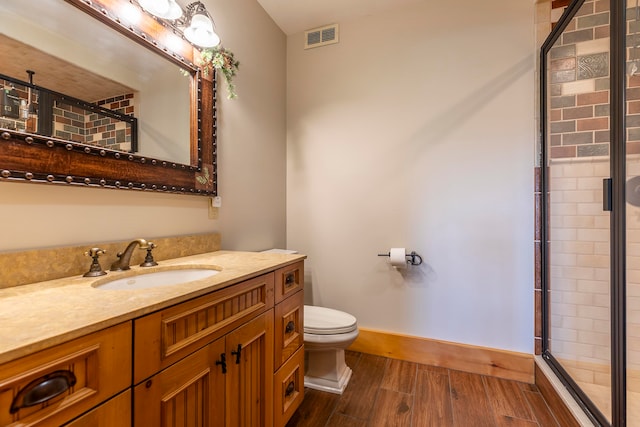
(579, 232)
(579, 269)
(68, 122)
(111, 133)
(579, 86)
(76, 124)
(633, 282)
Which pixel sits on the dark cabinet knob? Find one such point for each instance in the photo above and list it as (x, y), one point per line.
(291, 326)
(291, 387)
(289, 279)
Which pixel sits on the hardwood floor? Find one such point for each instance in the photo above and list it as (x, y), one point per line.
(388, 392)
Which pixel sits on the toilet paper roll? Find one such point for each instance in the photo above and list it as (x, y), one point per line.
(397, 257)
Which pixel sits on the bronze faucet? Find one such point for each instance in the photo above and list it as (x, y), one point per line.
(95, 270)
(124, 258)
(148, 260)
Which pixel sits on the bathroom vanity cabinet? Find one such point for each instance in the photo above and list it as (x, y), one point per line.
(232, 357)
(229, 381)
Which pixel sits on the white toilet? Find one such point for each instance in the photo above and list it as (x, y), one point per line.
(327, 333)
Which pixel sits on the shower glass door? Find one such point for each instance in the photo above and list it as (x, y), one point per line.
(632, 134)
(577, 158)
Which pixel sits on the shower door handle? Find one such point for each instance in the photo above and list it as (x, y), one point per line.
(607, 201)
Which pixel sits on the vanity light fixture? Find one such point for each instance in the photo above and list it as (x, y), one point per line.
(200, 30)
(165, 9)
(194, 22)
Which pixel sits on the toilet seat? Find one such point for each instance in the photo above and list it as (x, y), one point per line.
(327, 321)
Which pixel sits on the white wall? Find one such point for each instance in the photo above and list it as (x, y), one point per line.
(252, 130)
(417, 130)
(251, 141)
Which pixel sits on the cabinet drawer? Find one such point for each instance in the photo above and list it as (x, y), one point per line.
(164, 337)
(115, 412)
(289, 280)
(289, 388)
(289, 325)
(77, 376)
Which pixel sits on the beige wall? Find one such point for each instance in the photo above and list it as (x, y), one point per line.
(251, 141)
(417, 130)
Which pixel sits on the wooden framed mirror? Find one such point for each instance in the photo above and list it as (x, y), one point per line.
(28, 156)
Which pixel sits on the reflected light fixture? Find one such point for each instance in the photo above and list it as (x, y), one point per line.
(200, 30)
(165, 9)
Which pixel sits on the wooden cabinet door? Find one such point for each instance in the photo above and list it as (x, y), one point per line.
(250, 373)
(188, 393)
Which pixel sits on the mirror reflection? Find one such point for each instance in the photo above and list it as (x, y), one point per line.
(69, 53)
(107, 122)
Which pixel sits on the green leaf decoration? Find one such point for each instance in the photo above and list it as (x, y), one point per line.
(204, 178)
(222, 60)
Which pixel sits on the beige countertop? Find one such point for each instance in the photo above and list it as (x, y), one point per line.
(40, 315)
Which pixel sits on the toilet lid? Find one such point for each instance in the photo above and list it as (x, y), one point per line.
(327, 321)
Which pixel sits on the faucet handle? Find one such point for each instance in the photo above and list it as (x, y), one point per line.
(95, 269)
(148, 259)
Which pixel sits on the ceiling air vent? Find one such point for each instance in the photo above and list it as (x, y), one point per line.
(321, 36)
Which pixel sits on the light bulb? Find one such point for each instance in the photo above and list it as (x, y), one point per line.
(201, 23)
(200, 32)
(166, 9)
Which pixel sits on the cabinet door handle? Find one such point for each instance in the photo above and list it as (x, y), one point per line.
(43, 389)
(237, 353)
(223, 362)
(290, 389)
(289, 279)
(290, 327)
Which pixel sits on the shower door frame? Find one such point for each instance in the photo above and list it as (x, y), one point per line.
(616, 204)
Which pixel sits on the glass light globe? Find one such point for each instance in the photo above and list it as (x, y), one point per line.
(165, 9)
(200, 32)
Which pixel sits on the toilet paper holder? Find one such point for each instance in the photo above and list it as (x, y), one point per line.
(413, 258)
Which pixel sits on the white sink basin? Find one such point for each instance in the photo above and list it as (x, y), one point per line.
(157, 278)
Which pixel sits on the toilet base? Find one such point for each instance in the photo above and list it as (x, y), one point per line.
(326, 370)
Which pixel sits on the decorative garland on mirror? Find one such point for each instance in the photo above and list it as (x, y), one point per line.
(223, 60)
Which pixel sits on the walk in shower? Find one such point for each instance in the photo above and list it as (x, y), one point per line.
(590, 116)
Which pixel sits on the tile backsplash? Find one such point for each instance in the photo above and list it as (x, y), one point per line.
(38, 265)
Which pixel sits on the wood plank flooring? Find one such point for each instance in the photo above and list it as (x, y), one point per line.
(388, 392)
